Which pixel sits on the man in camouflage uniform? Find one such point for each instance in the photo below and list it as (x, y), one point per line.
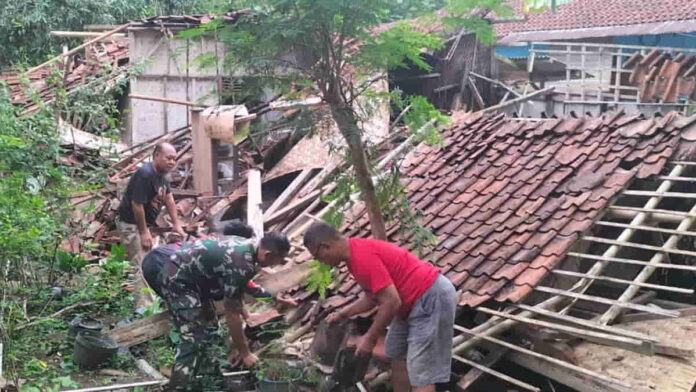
(190, 278)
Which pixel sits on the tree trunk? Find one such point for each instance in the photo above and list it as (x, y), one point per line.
(348, 125)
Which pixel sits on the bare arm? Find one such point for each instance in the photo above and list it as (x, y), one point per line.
(389, 304)
(236, 328)
(362, 305)
(171, 210)
(141, 223)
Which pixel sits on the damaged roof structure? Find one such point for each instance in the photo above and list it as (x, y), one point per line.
(533, 217)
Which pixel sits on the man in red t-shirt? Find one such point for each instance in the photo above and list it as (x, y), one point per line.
(413, 299)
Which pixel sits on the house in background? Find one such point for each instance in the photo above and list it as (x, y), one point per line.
(586, 49)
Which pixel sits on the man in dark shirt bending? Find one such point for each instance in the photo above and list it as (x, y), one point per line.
(147, 190)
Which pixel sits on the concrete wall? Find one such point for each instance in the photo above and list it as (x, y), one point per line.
(170, 70)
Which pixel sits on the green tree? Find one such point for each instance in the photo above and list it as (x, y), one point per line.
(25, 25)
(332, 49)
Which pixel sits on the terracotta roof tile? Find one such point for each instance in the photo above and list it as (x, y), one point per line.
(587, 14)
(507, 199)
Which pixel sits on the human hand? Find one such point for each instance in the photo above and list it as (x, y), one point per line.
(249, 360)
(179, 230)
(335, 317)
(146, 240)
(365, 346)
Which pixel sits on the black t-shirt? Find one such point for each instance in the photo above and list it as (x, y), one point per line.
(146, 187)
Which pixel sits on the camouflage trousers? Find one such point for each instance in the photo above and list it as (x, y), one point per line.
(197, 361)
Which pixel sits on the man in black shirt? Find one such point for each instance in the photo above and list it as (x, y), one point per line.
(147, 190)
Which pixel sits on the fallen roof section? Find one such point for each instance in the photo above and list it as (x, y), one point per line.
(508, 198)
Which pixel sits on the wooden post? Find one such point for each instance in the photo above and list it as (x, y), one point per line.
(204, 170)
(254, 213)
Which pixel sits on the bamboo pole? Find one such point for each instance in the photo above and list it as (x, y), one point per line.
(546, 358)
(652, 211)
(78, 48)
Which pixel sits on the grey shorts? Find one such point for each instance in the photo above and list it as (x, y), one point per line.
(424, 339)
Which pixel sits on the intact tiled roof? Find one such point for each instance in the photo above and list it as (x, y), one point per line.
(581, 14)
(507, 198)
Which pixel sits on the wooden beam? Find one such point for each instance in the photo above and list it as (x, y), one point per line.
(141, 331)
(254, 213)
(78, 48)
(83, 34)
(518, 100)
(445, 88)
(497, 83)
(494, 355)
(555, 361)
(585, 297)
(286, 211)
(587, 323)
(642, 316)
(288, 193)
(680, 195)
(574, 379)
(623, 342)
(165, 100)
(646, 228)
(630, 261)
(623, 281)
(204, 168)
(639, 246)
(418, 77)
(476, 93)
(676, 178)
(652, 211)
(647, 271)
(479, 369)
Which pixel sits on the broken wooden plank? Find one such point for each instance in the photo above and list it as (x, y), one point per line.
(570, 377)
(475, 92)
(288, 193)
(204, 170)
(293, 207)
(626, 343)
(479, 369)
(497, 83)
(546, 358)
(644, 316)
(523, 98)
(586, 323)
(141, 331)
(496, 354)
(254, 212)
(623, 281)
(585, 297)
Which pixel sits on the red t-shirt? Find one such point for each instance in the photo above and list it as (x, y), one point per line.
(377, 264)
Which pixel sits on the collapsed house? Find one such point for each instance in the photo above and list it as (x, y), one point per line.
(557, 226)
(553, 230)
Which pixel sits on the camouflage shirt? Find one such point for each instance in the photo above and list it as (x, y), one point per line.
(215, 269)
